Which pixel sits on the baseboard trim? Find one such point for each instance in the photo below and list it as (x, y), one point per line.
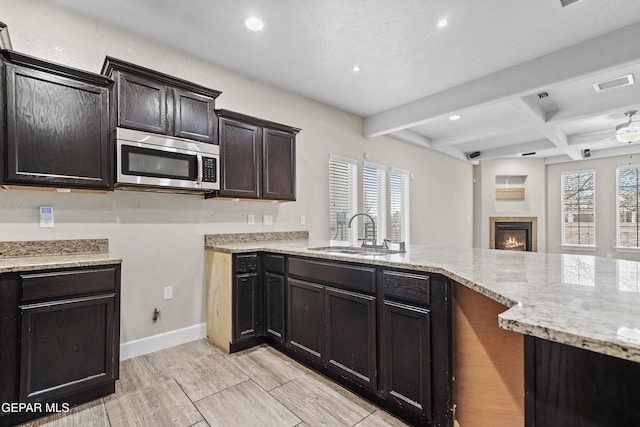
(161, 341)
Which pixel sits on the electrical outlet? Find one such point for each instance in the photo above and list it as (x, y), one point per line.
(251, 219)
(303, 220)
(267, 220)
(168, 292)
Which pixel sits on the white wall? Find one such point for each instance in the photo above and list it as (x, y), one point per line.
(605, 204)
(160, 236)
(487, 206)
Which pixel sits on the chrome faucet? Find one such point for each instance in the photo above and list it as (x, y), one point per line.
(374, 241)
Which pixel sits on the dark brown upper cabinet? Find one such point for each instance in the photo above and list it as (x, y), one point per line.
(57, 130)
(257, 158)
(151, 101)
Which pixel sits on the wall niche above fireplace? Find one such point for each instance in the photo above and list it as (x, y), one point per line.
(513, 233)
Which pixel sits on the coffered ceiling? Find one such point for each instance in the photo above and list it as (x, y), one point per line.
(488, 64)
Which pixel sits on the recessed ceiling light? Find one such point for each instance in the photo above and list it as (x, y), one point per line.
(356, 68)
(253, 23)
(442, 23)
(455, 117)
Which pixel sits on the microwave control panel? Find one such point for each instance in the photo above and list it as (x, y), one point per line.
(209, 169)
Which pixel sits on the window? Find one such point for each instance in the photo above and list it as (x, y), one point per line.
(628, 188)
(399, 204)
(578, 208)
(343, 198)
(385, 197)
(374, 200)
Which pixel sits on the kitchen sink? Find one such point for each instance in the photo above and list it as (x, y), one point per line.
(357, 250)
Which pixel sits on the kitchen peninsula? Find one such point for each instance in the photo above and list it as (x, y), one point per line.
(578, 314)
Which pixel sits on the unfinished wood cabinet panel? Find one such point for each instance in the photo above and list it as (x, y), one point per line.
(488, 363)
(219, 304)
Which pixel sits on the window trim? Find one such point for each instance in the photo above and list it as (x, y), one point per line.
(573, 246)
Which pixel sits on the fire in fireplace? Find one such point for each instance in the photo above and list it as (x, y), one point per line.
(513, 236)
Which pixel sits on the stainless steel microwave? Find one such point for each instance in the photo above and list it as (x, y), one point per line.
(151, 162)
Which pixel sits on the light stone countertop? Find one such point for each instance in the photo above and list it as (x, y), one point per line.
(54, 254)
(580, 300)
(47, 262)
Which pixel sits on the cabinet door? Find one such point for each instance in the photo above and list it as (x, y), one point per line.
(305, 318)
(406, 357)
(279, 165)
(351, 336)
(67, 346)
(142, 104)
(57, 131)
(274, 296)
(194, 116)
(247, 306)
(239, 159)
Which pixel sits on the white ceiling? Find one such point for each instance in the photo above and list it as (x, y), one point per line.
(487, 65)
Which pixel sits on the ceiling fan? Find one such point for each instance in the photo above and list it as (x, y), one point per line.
(629, 131)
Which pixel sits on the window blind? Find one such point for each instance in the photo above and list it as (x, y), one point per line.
(399, 204)
(374, 200)
(343, 198)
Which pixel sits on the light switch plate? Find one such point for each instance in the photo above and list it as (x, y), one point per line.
(251, 219)
(168, 292)
(46, 217)
(267, 220)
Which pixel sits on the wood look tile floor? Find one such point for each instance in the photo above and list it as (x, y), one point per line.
(197, 385)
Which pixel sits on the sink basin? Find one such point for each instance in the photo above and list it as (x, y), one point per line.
(356, 250)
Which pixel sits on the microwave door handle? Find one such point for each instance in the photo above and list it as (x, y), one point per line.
(199, 179)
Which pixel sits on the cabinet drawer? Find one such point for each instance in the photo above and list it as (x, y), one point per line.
(343, 276)
(246, 263)
(406, 286)
(274, 263)
(54, 284)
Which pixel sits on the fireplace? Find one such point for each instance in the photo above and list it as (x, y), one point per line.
(513, 233)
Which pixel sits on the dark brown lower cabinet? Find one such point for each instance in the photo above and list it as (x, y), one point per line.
(406, 357)
(569, 386)
(66, 346)
(275, 305)
(247, 311)
(351, 336)
(305, 319)
(60, 338)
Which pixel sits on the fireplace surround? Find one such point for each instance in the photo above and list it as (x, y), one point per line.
(513, 233)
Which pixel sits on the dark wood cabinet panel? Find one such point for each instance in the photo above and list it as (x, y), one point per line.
(9, 292)
(305, 319)
(357, 278)
(57, 126)
(239, 159)
(194, 116)
(59, 347)
(279, 165)
(258, 158)
(275, 306)
(142, 104)
(351, 336)
(66, 346)
(152, 101)
(247, 306)
(570, 386)
(406, 357)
